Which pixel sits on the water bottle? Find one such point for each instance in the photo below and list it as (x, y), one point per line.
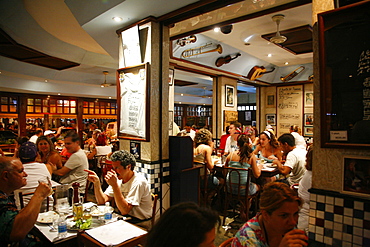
(62, 226)
(108, 210)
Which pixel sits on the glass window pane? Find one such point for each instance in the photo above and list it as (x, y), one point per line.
(59, 102)
(73, 110)
(29, 108)
(102, 111)
(12, 108)
(4, 108)
(91, 110)
(86, 104)
(53, 109)
(66, 110)
(91, 104)
(52, 102)
(108, 111)
(4, 100)
(46, 109)
(73, 103)
(85, 110)
(38, 101)
(38, 109)
(97, 111)
(13, 100)
(59, 109)
(29, 101)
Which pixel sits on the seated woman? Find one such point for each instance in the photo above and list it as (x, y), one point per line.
(47, 154)
(268, 148)
(184, 225)
(203, 155)
(275, 225)
(242, 158)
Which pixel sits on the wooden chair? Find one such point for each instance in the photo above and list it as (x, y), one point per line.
(226, 243)
(234, 195)
(21, 202)
(154, 208)
(84, 240)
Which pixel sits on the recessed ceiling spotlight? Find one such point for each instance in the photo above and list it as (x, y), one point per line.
(286, 63)
(269, 55)
(117, 19)
(182, 94)
(58, 93)
(179, 102)
(46, 80)
(216, 29)
(109, 97)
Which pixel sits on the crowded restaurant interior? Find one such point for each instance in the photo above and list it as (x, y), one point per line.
(168, 123)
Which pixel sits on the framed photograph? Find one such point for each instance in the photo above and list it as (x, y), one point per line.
(133, 102)
(171, 77)
(229, 95)
(270, 101)
(308, 99)
(356, 175)
(308, 131)
(135, 147)
(270, 119)
(308, 119)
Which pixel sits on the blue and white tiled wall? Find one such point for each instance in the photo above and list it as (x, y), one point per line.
(151, 170)
(338, 219)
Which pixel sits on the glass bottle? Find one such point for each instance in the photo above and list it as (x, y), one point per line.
(77, 203)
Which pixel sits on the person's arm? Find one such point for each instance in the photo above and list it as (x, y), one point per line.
(255, 168)
(56, 159)
(283, 169)
(93, 152)
(208, 158)
(258, 148)
(62, 171)
(26, 218)
(123, 206)
(100, 197)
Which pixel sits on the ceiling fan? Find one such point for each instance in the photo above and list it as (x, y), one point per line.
(105, 84)
(278, 38)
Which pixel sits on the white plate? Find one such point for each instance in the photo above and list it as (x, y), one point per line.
(101, 212)
(47, 217)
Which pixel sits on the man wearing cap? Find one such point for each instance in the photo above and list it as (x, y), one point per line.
(73, 169)
(15, 225)
(35, 172)
(50, 134)
(231, 142)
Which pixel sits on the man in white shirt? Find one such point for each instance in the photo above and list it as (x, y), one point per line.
(37, 134)
(231, 141)
(294, 167)
(129, 189)
(74, 168)
(188, 131)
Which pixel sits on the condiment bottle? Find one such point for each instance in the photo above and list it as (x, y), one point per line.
(77, 203)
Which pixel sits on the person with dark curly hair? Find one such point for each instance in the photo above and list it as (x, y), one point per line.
(184, 225)
(129, 189)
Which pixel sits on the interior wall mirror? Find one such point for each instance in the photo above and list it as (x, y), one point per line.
(344, 40)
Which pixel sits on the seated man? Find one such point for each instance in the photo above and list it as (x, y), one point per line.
(35, 171)
(129, 189)
(73, 170)
(294, 166)
(14, 224)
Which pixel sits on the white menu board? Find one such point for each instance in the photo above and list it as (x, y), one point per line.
(289, 108)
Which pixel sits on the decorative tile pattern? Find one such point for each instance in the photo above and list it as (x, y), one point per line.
(151, 172)
(339, 221)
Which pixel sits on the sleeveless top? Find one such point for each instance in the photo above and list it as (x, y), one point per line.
(265, 158)
(234, 177)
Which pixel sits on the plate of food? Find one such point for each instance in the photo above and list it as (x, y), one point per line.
(81, 224)
(271, 165)
(47, 217)
(97, 211)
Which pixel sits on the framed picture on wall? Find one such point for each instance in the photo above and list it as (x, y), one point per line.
(229, 95)
(270, 119)
(308, 131)
(133, 102)
(171, 77)
(308, 119)
(308, 99)
(356, 175)
(270, 100)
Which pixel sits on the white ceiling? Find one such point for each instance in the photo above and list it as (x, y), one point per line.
(29, 22)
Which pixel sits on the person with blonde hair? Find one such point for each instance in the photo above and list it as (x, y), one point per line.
(275, 225)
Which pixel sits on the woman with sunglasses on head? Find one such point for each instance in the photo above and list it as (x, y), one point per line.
(275, 225)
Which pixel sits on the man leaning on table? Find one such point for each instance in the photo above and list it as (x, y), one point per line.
(129, 189)
(15, 225)
(294, 167)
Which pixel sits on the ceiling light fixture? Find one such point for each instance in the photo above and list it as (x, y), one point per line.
(216, 29)
(286, 63)
(105, 84)
(269, 55)
(227, 29)
(278, 38)
(117, 19)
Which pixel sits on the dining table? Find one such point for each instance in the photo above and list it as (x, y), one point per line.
(115, 232)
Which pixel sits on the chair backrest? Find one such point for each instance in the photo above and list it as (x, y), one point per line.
(237, 181)
(154, 208)
(21, 201)
(226, 243)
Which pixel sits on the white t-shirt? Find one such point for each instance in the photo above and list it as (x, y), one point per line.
(299, 140)
(304, 185)
(137, 193)
(77, 163)
(35, 171)
(231, 145)
(33, 138)
(296, 160)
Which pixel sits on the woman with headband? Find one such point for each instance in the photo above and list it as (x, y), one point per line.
(268, 148)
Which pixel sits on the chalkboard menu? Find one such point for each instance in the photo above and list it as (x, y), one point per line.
(344, 36)
(289, 108)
